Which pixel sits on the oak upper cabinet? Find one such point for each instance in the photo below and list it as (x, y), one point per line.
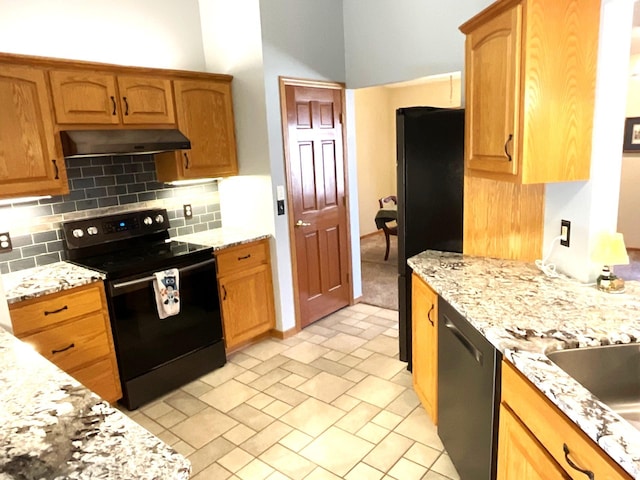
(84, 97)
(205, 115)
(424, 328)
(536, 441)
(31, 161)
(246, 292)
(530, 86)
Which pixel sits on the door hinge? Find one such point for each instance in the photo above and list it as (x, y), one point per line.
(348, 278)
(340, 118)
(344, 201)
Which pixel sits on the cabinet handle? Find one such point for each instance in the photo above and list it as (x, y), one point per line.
(506, 152)
(186, 161)
(55, 311)
(126, 106)
(113, 102)
(429, 314)
(224, 292)
(588, 473)
(55, 169)
(245, 257)
(53, 352)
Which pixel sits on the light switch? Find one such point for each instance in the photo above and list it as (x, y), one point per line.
(280, 192)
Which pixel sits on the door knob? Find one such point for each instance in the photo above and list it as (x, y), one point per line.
(300, 223)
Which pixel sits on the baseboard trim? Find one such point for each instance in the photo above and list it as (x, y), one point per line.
(284, 335)
(366, 235)
(357, 300)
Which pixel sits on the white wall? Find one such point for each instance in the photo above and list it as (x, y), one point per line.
(150, 33)
(393, 41)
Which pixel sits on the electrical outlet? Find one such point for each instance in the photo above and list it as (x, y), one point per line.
(565, 232)
(188, 212)
(5, 243)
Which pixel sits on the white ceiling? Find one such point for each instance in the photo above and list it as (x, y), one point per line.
(635, 39)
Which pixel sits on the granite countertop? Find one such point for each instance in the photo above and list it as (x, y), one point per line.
(54, 428)
(220, 238)
(38, 281)
(524, 313)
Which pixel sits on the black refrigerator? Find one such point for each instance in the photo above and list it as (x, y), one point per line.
(430, 156)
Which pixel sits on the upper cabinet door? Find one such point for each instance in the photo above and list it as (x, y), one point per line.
(205, 115)
(145, 100)
(31, 161)
(81, 97)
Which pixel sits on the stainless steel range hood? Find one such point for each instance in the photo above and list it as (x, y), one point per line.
(91, 143)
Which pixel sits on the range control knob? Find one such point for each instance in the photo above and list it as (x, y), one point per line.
(147, 221)
(92, 230)
(159, 219)
(78, 233)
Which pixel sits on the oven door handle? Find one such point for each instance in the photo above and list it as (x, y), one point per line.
(152, 277)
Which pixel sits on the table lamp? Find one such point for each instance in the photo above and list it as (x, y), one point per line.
(610, 250)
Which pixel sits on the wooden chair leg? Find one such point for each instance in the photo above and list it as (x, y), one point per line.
(386, 253)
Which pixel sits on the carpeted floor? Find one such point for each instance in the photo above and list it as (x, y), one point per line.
(379, 277)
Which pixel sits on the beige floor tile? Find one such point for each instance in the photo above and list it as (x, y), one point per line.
(317, 339)
(404, 403)
(419, 427)
(445, 467)
(277, 408)
(388, 314)
(312, 416)
(316, 329)
(265, 381)
(431, 475)
(325, 386)
(334, 355)
(235, 459)
(264, 439)
(196, 388)
(345, 402)
(289, 395)
(422, 455)
(362, 471)
(330, 366)
(277, 476)
(228, 395)
(156, 409)
(387, 419)
(381, 321)
(385, 345)
(391, 332)
(171, 418)
(203, 427)
(357, 316)
(222, 375)
(251, 417)
(354, 375)
(260, 401)
(210, 453)
(364, 308)
(149, 424)
(372, 433)
(244, 361)
(305, 352)
(345, 342)
(293, 380)
(321, 474)
(186, 403)
(247, 377)
(358, 417)
(296, 440)
(388, 451)
(213, 471)
(373, 331)
(183, 448)
(274, 362)
(255, 470)
(302, 369)
(407, 470)
(284, 460)
(337, 451)
(382, 366)
(404, 378)
(239, 434)
(168, 437)
(265, 350)
(362, 353)
(376, 391)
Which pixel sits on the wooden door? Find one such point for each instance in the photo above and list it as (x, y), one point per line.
(31, 161)
(81, 97)
(145, 100)
(492, 91)
(205, 115)
(520, 455)
(318, 213)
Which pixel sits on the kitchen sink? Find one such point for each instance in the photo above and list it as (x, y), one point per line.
(611, 373)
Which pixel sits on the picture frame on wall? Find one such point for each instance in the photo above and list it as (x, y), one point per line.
(632, 135)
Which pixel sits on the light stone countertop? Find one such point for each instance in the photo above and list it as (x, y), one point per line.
(220, 238)
(524, 313)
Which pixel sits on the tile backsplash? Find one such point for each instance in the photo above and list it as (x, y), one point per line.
(101, 186)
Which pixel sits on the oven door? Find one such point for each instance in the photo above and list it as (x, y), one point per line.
(145, 342)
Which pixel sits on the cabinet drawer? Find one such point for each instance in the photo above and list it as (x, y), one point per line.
(554, 430)
(43, 312)
(242, 257)
(72, 344)
(100, 378)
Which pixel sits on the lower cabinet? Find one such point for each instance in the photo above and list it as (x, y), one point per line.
(537, 441)
(246, 292)
(424, 328)
(72, 329)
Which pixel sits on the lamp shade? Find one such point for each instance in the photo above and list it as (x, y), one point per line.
(610, 249)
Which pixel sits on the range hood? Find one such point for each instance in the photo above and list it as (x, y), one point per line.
(91, 143)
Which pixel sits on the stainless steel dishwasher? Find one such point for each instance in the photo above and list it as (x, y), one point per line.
(468, 395)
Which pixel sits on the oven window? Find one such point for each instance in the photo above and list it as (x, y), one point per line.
(144, 341)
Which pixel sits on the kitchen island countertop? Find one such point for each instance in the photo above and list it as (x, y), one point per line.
(524, 313)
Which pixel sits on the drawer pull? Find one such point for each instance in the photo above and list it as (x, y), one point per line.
(126, 106)
(224, 291)
(429, 314)
(46, 312)
(506, 152)
(53, 352)
(113, 102)
(55, 168)
(186, 161)
(588, 473)
(245, 257)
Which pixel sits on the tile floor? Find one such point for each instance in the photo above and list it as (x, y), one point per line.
(331, 402)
